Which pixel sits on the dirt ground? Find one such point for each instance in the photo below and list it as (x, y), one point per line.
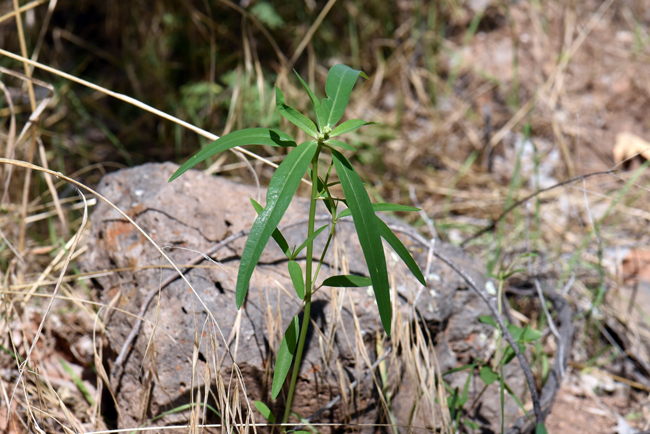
(603, 91)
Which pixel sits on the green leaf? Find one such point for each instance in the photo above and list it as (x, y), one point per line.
(265, 411)
(401, 250)
(309, 239)
(365, 224)
(459, 369)
(266, 13)
(382, 207)
(471, 424)
(541, 429)
(285, 356)
(488, 375)
(465, 396)
(296, 277)
(348, 126)
(283, 186)
(509, 353)
(277, 235)
(340, 144)
(347, 281)
(293, 115)
(338, 86)
(530, 335)
(315, 102)
(516, 332)
(249, 136)
(487, 319)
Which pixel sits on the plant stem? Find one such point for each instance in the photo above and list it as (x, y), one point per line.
(308, 286)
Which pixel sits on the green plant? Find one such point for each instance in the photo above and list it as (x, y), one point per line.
(283, 185)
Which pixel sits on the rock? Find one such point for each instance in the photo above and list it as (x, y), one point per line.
(187, 344)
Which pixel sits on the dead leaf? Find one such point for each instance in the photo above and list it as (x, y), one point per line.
(628, 146)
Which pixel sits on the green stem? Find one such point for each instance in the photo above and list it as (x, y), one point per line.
(308, 286)
(322, 257)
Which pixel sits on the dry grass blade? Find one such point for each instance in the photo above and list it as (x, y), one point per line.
(22, 9)
(50, 186)
(35, 115)
(310, 33)
(136, 103)
(73, 246)
(130, 220)
(23, 50)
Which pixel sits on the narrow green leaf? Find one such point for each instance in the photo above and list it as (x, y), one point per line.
(401, 250)
(309, 239)
(338, 86)
(340, 144)
(488, 375)
(265, 411)
(487, 319)
(293, 115)
(249, 136)
(540, 429)
(296, 278)
(348, 126)
(277, 235)
(283, 186)
(77, 382)
(459, 369)
(315, 102)
(285, 356)
(382, 207)
(365, 223)
(509, 353)
(347, 281)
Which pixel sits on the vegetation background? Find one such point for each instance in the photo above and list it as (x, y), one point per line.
(481, 103)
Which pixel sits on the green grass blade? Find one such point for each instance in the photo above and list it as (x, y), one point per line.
(382, 207)
(293, 115)
(77, 382)
(315, 102)
(338, 86)
(309, 239)
(347, 281)
(249, 136)
(340, 144)
(348, 126)
(283, 186)
(266, 411)
(365, 223)
(285, 356)
(296, 278)
(277, 235)
(401, 250)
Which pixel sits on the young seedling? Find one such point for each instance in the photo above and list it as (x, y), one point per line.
(282, 188)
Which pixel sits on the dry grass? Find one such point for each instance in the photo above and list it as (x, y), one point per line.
(453, 103)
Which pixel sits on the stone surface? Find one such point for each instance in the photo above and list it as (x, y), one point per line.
(186, 343)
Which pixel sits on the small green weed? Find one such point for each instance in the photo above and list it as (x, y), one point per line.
(284, 183)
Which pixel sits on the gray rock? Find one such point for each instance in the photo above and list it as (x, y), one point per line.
(186, 343)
